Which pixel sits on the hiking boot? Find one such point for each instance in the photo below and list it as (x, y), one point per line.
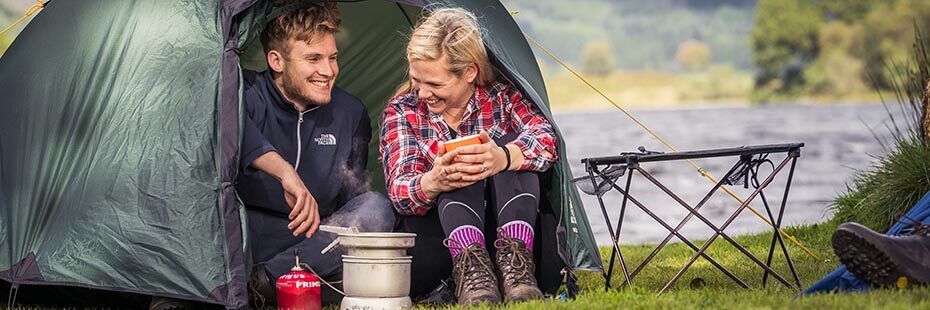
(883, 260)
(262, 291)
(474, 276)
(517, 270)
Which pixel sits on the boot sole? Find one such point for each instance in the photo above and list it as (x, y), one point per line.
(866, 261)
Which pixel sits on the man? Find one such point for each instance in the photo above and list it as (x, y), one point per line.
(304, 151)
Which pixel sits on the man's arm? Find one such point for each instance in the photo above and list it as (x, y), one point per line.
(305, 215)
(254, 143)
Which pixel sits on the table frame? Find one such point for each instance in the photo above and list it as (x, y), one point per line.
(745, 169)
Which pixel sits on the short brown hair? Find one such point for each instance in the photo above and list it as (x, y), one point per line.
(303, 25)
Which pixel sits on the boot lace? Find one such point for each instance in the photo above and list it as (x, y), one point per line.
(919, 229)
(472, 268)
(515, 262)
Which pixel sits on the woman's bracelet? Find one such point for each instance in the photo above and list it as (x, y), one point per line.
(507, 155)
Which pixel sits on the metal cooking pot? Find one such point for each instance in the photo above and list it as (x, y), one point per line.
(377, 244)
(374, 244)
(376, 277)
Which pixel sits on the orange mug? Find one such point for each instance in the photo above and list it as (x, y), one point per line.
(460, 142)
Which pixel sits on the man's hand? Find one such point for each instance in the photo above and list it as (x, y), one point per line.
(305, 214)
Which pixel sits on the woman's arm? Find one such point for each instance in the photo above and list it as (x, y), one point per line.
(412, 181)
(536, 143)
(535, 147)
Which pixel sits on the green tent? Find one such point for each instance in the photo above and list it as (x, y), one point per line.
(120, 130)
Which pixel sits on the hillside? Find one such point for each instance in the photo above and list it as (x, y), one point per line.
(643, 35)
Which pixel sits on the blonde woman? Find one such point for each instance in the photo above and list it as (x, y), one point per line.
(460, 198)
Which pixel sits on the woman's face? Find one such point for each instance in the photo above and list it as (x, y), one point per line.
(440, 88)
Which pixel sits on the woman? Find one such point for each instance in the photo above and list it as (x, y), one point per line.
(446, 197)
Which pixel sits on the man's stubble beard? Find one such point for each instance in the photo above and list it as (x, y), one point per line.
(290, 86)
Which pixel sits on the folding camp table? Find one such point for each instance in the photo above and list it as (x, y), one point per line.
(603, 173)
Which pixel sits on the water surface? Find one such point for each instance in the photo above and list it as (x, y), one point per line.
(838, 140)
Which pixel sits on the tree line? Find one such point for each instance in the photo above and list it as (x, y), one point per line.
(600, 36)
(831, 47)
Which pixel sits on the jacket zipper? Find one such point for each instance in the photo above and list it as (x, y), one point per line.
(300, 120)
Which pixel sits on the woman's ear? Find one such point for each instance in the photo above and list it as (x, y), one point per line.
(471, 73)
(275, 61)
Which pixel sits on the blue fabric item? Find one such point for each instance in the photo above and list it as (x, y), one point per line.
(369, 212)
(333, 146)
(841, 280)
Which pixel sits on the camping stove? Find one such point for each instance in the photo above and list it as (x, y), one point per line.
(375, 270)
(376, 303)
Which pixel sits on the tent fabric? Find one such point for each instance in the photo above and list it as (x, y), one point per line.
(120, 132)
(109, 174)
(841, 280)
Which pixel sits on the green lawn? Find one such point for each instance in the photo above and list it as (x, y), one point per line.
(719, 291)
(645, 89)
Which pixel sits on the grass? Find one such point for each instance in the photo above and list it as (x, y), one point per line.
(878, 196)
(648, 89)
(718, 291)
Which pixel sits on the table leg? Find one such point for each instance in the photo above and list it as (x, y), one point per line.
(684, 221)
(720, 231)
(677, 234)
(613, 238)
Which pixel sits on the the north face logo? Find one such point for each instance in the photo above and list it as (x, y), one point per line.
(326, 139)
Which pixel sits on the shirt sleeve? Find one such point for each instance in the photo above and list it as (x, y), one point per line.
(537, 137)
(254, 144)
(404, 164)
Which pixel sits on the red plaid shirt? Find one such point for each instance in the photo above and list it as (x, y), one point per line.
(410, 135)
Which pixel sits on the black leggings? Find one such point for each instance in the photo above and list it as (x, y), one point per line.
(513, 194)
(431, 259)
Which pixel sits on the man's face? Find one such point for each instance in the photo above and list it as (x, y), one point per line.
(309, 70)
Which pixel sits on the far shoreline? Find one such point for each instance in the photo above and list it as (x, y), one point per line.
(699, 106)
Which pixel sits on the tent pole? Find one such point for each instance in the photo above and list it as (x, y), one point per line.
(11, 296)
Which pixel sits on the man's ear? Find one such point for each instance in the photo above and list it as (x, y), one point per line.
(471, 73)
(275, 61)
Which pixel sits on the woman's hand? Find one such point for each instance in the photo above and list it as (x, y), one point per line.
(444, 176)
(478, 162)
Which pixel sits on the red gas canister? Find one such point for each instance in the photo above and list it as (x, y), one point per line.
(298, 290)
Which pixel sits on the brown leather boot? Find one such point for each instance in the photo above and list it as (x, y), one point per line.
(474, 276)
(517, 270)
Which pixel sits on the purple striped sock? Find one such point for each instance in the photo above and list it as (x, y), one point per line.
(519, 230)
(464, 236)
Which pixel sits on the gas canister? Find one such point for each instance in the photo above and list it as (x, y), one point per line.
(298, 289)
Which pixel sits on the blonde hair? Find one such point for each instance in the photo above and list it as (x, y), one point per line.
(302, 25)
(453, 33)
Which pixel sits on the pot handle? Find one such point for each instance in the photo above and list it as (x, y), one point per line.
(339, 230)
(331, 246)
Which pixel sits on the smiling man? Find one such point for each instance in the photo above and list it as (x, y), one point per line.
(304, 151)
